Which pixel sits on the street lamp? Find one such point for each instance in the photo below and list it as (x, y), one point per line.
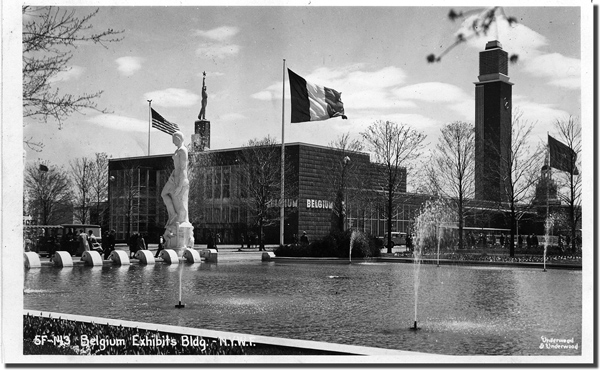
(345, 161)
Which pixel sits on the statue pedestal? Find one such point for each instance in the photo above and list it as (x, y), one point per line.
(183, 238)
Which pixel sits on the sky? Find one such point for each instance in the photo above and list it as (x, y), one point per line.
(374, 55)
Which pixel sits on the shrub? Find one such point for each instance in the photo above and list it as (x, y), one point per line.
(335, 244)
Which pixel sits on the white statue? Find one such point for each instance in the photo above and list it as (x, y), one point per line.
(175, 193)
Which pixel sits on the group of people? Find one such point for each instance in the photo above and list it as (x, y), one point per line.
(136, 242)
(251, 240)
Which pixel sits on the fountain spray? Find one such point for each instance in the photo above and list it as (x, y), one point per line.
(428, 227)
(180, 275)
(548, 226)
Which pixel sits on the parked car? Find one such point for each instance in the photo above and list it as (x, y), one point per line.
(398, 238)
(49, 238)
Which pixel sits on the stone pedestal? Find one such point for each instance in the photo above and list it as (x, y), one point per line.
(32, 260)
(185, 238)
(63, 259)
(119, 257)
(92, 258)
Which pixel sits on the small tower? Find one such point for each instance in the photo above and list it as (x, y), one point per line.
(201, 136)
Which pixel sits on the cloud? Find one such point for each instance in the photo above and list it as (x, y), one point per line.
(172, 97)
(127, 66)
(265, 95)
(515, 39)
(219, 34)
(72, 73)
(221, 47)
(217, 51)
(529, 45)
(560, 70)
(544, 114)
(436, 92)
(439, 93)
(121, 123)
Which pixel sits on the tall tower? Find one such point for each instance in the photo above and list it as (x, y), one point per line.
(493, 106)
(201, 136)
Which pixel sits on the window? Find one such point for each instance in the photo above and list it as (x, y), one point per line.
(217, 184)
(226, 185)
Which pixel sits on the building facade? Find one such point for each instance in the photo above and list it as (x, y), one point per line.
(219, 203)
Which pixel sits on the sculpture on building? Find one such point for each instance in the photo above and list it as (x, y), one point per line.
(175, 196)
(202, 114)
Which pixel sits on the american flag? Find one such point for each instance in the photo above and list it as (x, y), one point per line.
(159, 123)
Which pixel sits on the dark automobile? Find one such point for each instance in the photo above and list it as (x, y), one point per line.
(46, 239)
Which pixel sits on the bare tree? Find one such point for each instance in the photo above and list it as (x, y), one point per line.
(521, 175)
(125, 193)
(199, 163)
(394, 147)
(569, 131)
(48, 191)
(99, 184)
(452, 169)
(81, 174)
(49, 37)
(343, 176)
(260, 167)
(482, 19)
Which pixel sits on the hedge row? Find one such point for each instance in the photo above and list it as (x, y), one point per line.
(336, 244)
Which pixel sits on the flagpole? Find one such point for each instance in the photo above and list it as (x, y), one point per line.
(149, 122)
(548, 174)
(282, 200)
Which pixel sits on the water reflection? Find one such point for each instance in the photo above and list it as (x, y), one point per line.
(463, 310)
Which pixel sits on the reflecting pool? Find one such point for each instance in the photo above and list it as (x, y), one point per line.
(462, 310)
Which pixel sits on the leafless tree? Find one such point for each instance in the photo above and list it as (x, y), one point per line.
(394, 147)
(260, 167)
(521, 171)
(344, 177)
(48, 192)
(199, 162)
(99, 184)
(125, 193)
(82, 170)
(451, 171)
(569, 131)
(50, 35)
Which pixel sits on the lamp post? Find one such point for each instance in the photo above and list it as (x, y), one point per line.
(345, 161)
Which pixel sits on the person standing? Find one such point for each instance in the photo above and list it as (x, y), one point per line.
(217, 241)
(83, 241)
(210, 242)
(141, 243)
(93, 242)
(161, 246)
(133, 244)
(409, 246)
(520, 241)
(304, 239)
(110, 243)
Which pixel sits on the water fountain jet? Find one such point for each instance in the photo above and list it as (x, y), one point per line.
(428, 225)
(548, 225)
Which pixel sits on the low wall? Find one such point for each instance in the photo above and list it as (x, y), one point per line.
(429, 261)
